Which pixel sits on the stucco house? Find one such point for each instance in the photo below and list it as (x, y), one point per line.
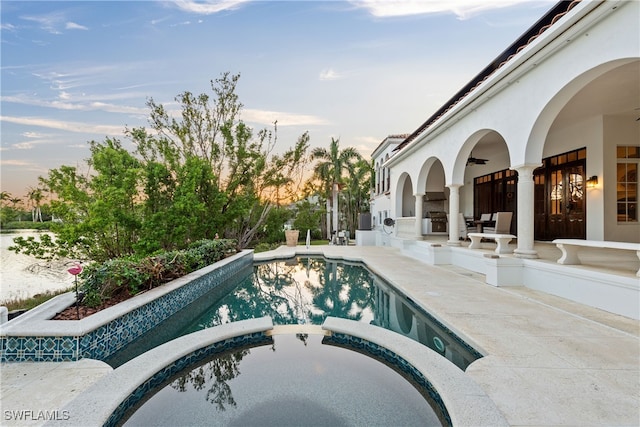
(549, 131)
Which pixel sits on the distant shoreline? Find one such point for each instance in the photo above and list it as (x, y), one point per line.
(23, 276)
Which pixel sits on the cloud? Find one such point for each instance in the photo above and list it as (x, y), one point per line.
(75, 106)
(208, 7)
(284, 119)
(75, 75)
(74, 26)
(463, 9)
(48, 22)
(67, 126)
(34, 135)
(23, 145)
(329, 74)
(21, 163)
(159, 20)
(7, 27)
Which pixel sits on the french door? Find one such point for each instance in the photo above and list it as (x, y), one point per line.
(560, 197)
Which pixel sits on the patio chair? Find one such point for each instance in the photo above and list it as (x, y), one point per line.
(503, 224)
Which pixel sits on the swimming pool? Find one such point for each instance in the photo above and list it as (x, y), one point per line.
(306, 290)
(295, 381)
(291, 297)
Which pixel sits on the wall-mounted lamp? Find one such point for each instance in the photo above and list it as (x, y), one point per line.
(592, 182)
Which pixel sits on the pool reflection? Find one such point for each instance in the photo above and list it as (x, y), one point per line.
(292, 382)
(306, 290)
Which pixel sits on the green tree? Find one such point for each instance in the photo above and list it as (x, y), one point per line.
(98, 213)
(250, 180)
(192, 177)
(308, 217)
(356, 193)
(113, 219)
(332, 165)
(4, 196)
(35, 196)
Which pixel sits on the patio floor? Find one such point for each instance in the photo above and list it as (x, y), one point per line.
(548, 361)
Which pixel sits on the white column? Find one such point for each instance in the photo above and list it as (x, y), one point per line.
(418, 223)
(454, 210)
(525, 212)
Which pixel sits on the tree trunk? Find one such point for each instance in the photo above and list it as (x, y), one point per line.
(328, 219)
(335, 207)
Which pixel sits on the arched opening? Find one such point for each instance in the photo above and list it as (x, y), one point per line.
(596, 133)
(490, 184)
(407, 200)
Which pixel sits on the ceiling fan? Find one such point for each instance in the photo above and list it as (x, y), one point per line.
(475, 161)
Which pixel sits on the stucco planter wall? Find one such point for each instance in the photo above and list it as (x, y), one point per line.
(34, 337)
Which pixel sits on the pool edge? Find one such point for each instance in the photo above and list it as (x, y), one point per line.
(464, 400)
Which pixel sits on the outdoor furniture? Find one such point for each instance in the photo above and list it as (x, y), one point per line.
(570, 248)
(502, 225)
(500, 233)
(485, 219)
(501, 239)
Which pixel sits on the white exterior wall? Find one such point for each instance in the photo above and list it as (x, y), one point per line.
(520, 102)
(381, 203)
(617, 131)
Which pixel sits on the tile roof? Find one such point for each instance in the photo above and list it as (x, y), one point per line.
(543, 24)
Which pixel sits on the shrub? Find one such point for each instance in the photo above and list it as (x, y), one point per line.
(264, 247)
(132, 275)
(26, 225)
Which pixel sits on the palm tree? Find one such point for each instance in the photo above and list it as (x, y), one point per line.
(358, 187)
(333, 163)
(4, 196)
(14, 202)
(35, 196)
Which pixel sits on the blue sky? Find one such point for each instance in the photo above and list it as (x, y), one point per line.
(78, 71)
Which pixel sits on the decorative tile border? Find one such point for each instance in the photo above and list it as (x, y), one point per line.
(128, 405)
(446, 330)
(399, 364)
(384, 355)
(105, 339)
(39, 349)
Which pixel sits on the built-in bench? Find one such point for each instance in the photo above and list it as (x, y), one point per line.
(570, 248)
(501, 239)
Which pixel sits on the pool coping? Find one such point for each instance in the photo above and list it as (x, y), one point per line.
(287, 252)
(38, 321)
(35, 337)
(102, 399)
(464, 400)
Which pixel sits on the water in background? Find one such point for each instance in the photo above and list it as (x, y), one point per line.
(23, 276)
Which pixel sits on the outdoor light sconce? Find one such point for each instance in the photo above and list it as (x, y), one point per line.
(592, 182)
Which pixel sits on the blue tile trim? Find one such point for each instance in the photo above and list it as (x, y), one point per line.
(128, 406)
(384, 355)
(109, 338)
(396, 362)
(429, 316)
(39, 349)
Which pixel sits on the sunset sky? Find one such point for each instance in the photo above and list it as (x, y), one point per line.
(78, 71)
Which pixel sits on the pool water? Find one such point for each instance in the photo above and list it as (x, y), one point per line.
(297, 381)
(306, 290)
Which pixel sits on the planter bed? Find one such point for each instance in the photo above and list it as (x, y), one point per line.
(34, 337)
